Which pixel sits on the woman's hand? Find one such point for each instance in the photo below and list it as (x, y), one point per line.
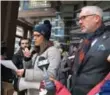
(20, 72)
(27, 53)
(60, 88)
(57, 83)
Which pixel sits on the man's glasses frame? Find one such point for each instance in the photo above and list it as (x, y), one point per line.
(84, 17)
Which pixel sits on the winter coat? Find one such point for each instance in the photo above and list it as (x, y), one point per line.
(35, 74)
(95, 66)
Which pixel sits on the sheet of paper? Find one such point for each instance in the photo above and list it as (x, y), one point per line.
(71, 57)
(9, 64)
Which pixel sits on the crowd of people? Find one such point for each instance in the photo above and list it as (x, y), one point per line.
(89, 68)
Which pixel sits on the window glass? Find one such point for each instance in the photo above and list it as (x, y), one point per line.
(106, 15)
(16, 47)
(19, 31)
(29, 34)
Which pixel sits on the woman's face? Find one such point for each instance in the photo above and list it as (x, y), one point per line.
(38, 38)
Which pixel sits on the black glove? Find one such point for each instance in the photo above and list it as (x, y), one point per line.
(15, 84)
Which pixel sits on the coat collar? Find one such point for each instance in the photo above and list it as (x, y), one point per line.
(98, 32)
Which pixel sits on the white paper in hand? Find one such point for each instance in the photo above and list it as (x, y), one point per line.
(43, 92)
(9, 64)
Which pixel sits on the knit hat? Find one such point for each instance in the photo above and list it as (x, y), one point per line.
(44, 30)
(47, 22)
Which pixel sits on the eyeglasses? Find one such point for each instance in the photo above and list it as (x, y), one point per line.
(84, 17)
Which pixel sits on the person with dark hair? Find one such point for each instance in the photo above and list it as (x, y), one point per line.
(35, 75)
(24, 43)
(17, 59)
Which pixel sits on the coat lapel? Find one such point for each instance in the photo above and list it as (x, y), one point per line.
(95, 47)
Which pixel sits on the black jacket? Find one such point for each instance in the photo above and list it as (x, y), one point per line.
(18, 59)
(6, 74)
(94, 67)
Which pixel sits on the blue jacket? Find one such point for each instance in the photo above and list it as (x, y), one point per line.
(105, 89)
